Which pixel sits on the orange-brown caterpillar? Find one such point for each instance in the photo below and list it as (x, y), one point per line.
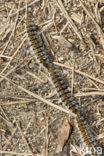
(43, 57)
(88, 136)
(37, 45)
(70, 102)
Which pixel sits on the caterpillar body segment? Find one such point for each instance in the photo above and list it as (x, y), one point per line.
(63, 91)
(40, 50)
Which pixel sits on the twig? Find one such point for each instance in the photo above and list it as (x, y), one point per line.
(94, 84)
(13, 29)
(23, 136)
(61, 7)
(72, 84)
(89, 14)
(50, 24)
(100, 32)
(43, 129)
(23, 40)
(15, 153)
(15, 102)
(29, 124)
(9, 72)
(10, 138)
(89, 94)
(8, 57)
(81, 73)
(92, 89)
(36, 77)
(6, 121)
(46, 139)
(4, 113)
(99, 55)
(40, 98)
(44, 100)
(29, 4)
(94, 57)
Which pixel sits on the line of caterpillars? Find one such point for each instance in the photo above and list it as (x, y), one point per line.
(42, 54)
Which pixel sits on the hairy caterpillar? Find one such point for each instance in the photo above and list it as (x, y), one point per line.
(44, 57)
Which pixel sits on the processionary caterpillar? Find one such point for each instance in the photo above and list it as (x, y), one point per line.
(43, 56)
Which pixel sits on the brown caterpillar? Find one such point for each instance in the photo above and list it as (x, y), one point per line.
(70, 102)
(37, 45)
(43, 57)
(88, 136)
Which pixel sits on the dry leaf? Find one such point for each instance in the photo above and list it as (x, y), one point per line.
(77, 18)
(100, 136)
(63, 41)
(67, 44)
(63, 136)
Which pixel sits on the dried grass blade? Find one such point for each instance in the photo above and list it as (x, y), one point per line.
(61, 7)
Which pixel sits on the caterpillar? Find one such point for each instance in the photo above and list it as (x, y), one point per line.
(44, 57)
(46, 60)
(88, 136)
(37, 45)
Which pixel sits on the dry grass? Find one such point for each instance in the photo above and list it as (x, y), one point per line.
(30, 111)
